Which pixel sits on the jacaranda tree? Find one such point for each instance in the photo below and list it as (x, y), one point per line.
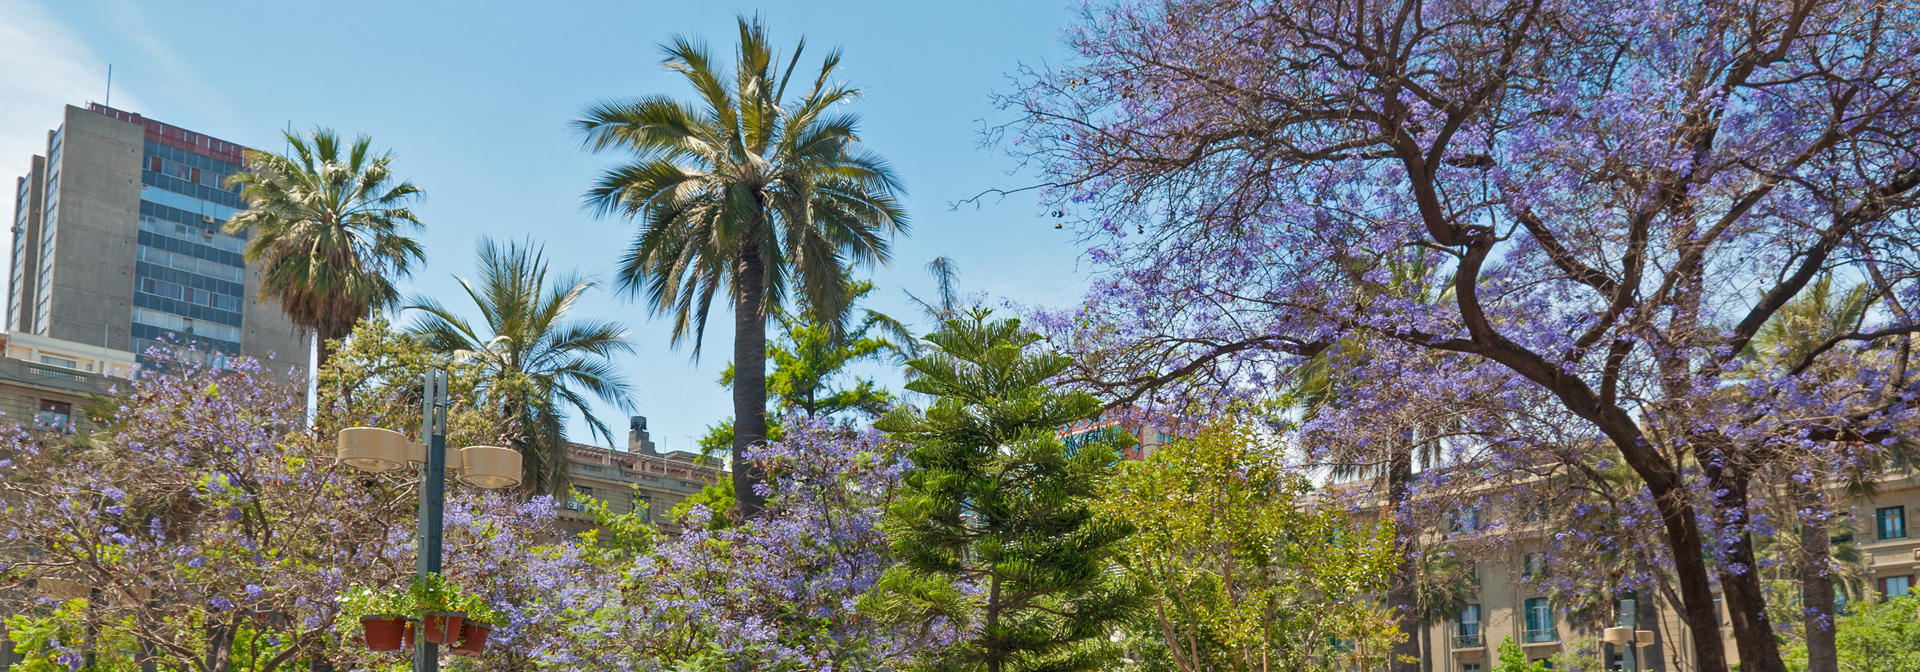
(1622, 193)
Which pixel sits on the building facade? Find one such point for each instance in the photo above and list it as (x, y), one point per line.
(638, 479)
(118, 243)
(45, 383)
(1505, 605)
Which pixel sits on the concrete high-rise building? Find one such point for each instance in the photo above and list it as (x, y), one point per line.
(118, 243)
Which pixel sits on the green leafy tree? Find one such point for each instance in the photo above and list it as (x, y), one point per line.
(1250, 577)
(329, 227)
(534, 362)
(1882, 637)
(376, 373)
(745, 192)
(996, 502)
(1509, 658)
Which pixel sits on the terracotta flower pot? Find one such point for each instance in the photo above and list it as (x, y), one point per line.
(441, 627)
(385, 632)
(406, 640)
(473, 638)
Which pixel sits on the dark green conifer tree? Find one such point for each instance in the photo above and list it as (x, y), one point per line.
(996, 501)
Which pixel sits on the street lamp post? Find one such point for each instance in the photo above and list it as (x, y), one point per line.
(377, 450)
(433, 498)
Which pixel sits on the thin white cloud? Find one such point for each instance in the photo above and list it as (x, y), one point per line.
(43, 67)
(160, 66)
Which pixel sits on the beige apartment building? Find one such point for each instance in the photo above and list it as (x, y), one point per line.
(1504, 606)
(45, 382)
(640, 478)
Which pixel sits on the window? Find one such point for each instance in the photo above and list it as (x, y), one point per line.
(1719, 613)
(1468, 630)
(643, 505)
(1469, 667)
(1895, 586)
(1466, 519)
(1892, 522)
(1535, 566)
(56, 415)
(1540, 622)
(59, 361)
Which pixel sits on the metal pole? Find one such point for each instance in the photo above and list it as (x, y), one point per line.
(1629, 618)
(433, 495)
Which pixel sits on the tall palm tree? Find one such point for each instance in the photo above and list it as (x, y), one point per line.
(1820, 313)
(329, 227)
(1318, 385)
(535, 363)
(744, 191)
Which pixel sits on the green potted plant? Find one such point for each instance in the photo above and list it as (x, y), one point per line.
(438, 603)
(479, 621)
(383, 616)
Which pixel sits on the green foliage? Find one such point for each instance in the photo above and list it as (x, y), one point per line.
(623, 535)
(717, 497)
(376, 373)
(1244, 567)
(433, 592)
(1881, 637)
(1508, 657)
(815, 349)
(430, 594)
(53, 641)
(362, 601)
(1580, 655)
(995, 500)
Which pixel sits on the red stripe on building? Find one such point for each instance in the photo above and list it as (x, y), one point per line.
(179, 138)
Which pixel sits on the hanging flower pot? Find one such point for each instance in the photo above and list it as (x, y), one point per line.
(385, 632)
(442, 627)
(473, 638)
(406, 639)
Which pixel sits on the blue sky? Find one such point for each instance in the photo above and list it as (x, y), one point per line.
(475, 98)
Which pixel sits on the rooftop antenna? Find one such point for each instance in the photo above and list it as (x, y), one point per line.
(109, 102)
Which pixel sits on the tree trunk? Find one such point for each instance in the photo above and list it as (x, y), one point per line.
(1401, 595)
(1740, 578)
(1816, 581)
(325, 347)
(220, 647)
(749, 378)
(1679, 519)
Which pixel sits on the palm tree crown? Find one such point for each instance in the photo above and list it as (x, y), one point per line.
(535, 363)
(329, 228)
(745, 191)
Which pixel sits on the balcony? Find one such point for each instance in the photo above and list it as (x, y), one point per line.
(1466, 642)
(1541, 636)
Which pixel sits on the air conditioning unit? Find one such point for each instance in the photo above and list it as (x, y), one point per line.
(571, 506)
(206, 219)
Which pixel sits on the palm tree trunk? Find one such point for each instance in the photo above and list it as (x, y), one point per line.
(1400, 595)
(749, 378)
(324, 349)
